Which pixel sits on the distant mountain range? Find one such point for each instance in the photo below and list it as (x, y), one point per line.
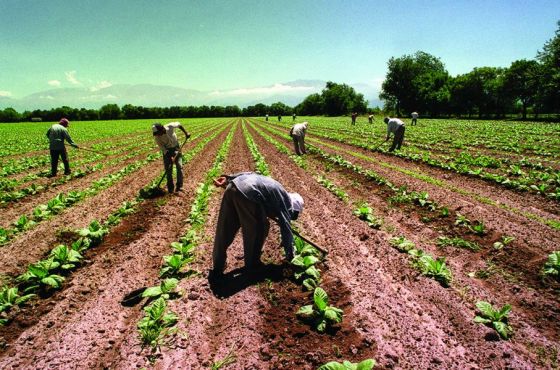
(290, 93)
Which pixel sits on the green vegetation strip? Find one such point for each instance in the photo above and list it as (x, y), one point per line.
(158, 322)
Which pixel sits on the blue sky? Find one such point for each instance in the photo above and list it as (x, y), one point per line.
(230, 44)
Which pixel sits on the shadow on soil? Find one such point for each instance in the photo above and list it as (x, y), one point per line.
(235, 281)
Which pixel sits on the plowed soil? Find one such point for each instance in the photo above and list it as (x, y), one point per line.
(391, 313)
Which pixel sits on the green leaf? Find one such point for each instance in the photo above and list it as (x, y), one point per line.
(168, 285)
(53, 281)
(502, 328)
(154, 291)
(322, 325)
(320, 298)
(482, 320)
(333, 365)
(366, 364)
(305, 310)
(486, 309)
(333, 314)
(310, 260)
(504, 312)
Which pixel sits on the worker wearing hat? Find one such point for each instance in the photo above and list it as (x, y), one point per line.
(57, 134)
(297, 132)
(249, 200)
(166, 139)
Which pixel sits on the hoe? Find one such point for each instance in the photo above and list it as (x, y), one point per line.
(155, 191)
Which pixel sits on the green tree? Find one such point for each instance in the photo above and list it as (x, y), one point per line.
(340, 99)
(521, 82)
(9, 115)
(110, 111)
(415, 83)
(548, 95)
(312, 105)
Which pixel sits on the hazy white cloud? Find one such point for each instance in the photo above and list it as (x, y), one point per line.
(100, 85)
(269, 90)
(110, 96)
(47, 97)
(71, 77)
(55, 83)
(5, 94)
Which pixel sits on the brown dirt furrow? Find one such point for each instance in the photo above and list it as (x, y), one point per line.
(409, 321)
(87, 327)
(219, 321)
(32, 245)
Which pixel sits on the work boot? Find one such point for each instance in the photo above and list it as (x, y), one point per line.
(215, 276)
(51, 175)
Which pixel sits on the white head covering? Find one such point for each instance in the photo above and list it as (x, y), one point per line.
(297, 202)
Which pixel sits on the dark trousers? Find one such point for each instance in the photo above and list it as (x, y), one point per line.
(237, 211)
(168, 164)
(299, 144)
(398, 139)
(414, 121)
(54, 161)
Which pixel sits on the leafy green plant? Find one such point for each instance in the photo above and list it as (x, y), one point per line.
(478, 228)
(494, 318)
(173, 265)
(401, 244)
(320, 313)
(503, 242)
(457, 242)
(38, 276)
(23, 223)
(552, 265)
(347, 365)
(165, 289)
(10, 297)
(365, 213)
(156, 324)
(94, 232)
(304, 249)
(444, 212)
(66, 257)
(462, 220)
(430, 267)
(306, 271)
(4, 236)
(81, 245)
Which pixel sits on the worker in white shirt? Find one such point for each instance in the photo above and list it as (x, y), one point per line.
(298, 135)
(167, 141)
(396, 127)
(414, 118)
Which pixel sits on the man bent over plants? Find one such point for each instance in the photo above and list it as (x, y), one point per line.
(249, 200)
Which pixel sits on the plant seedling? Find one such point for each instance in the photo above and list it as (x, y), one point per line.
(321, 314)
(462, 220)
(66, 257)
(10, 297)
(156, 324)
(434, 268)
(307, 271)
(38, 275)
(347, 365)
(401, 244)
(365, 213)
(165, 289)
(94, 232)
(444, 241)
(494, 318)
(478, 228)
(552, 265)
(504, 242)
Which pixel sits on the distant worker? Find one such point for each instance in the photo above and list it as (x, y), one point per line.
(293, 117)
(56, 135)
(249, 200)
(297, 133)
(279, 118)
(414, 118)
(370, 118)
(354, 116)
(167, 141)
(266, 117)
(396, 127)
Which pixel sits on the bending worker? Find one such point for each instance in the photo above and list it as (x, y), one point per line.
(298, 135)
(57, 134)
(249, 200)
(166, 139)
(396, 127)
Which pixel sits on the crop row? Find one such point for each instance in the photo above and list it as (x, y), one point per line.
(158, 322)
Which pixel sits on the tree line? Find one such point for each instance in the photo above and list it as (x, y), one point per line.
(421, 83)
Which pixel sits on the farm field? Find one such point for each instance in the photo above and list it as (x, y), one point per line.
(467, 212)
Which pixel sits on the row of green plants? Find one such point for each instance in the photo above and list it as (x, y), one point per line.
(542, 180)
(42, 278)
(158, 322)
(61, 201)
(319, 314)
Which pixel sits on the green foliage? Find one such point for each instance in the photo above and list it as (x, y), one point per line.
(166, 289)
(456, 242)
(347, 365)
(430, 267)
(478, 228)
(320, 313)
(494, 318)
(365, 213)
(66, 257)
(10, 297)
(552, 265)
(503, 242)
(402, 244)
(23, 223)
(39, 276)
(156, 324)
(94, 232)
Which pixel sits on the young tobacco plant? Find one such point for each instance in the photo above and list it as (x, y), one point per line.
(156, 324)
(38, 276)
(365, 213)
(444, 241)
(430, 267)
(320, 313)
(66, 257)
(94, 232)
(306, 271)
(164, 290)
(347, 365)
(494, 318)
(552, 265)
(10, 297)
(401, 244)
